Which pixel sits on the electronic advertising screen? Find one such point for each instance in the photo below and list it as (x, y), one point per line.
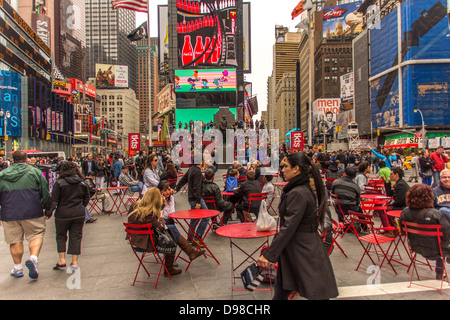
(207, 33)
(206, 80)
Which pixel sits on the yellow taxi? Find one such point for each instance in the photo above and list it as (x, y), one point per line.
(407, 163)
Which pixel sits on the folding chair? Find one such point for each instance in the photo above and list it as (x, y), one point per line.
(427, 230)
(372, 240)
(338, 228)
(184, 190)
(94, 204)
(254, 197)
(145, 229)
(379, 207)
(172, 182)
(270, 207)
(370, 189)
(131, 200)
(346, 219)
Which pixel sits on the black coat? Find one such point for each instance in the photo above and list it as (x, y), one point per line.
(70, 196)
(398, 193)
(243, 192)
(303, 263)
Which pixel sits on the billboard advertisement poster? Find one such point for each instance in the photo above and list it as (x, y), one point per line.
(207, 33)
(347, 87)
(11, 106)
(111, 76)
(342, 20)
(134, 142)
(326, 111)
(297, 141)
(206, 80)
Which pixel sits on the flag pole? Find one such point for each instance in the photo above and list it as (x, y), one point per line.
(150, 121)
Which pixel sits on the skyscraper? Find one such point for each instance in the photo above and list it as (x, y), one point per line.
(106, 38)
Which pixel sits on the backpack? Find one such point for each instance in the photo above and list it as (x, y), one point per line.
(113, 183)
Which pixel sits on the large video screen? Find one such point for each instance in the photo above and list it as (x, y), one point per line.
(209, 80)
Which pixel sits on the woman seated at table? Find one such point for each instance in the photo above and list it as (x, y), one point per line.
(151, 173)
(148, 210)
(420, 209)
(168, 208)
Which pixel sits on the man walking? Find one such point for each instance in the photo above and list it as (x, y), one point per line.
(440, 159)
(24, 194)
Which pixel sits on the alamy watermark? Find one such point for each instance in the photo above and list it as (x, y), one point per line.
(243, 146)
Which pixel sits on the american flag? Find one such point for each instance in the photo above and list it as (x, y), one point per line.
(135, 5)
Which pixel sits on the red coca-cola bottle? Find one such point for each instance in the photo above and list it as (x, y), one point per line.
(199, 50)
(189, 6)
(187, 55)
(215, 56)
(208, 49)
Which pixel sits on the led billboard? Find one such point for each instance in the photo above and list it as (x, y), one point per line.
(206, 80)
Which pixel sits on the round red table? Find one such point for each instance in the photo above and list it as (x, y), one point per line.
(119, 199)
(375, 196)
(279, 186)
(244, 231)
(195, 214)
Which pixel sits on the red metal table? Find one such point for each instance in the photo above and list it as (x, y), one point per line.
(194, 214)
(375, 197)
(279, 186)
(118, 199)
(243, 231)
(395, 215)
(227, 193)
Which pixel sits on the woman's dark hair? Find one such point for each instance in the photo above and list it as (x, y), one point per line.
(363, 167)
(163, 184)
(311, 170)
(68, 169)
(382, 164)
(148, 163)
(420, 196)
(171, 170)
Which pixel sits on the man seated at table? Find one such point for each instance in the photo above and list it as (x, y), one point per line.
(442, 193)
(248, 187)
(399, 190)
(94, 192)
(127, 181)
(348, 194)
(211, 189)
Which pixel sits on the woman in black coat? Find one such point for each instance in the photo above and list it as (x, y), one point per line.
(70, 196)
(303, 263)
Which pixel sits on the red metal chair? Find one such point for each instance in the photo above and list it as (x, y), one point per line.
(379, 207)
(131, 200)
(427, 230)
(338, 228)
(254, 197)
(184, 190)
(94, 204)
(372, 239)
(145, 229)
(172, 182)
(346, 219)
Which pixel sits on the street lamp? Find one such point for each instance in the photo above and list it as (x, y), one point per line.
(6, 115)
(423, 126)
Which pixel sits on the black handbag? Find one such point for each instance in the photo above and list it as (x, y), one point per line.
(165, 242)
(427, 174)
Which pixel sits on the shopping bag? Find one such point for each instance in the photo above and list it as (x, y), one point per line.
(251, 277)
(265, 221)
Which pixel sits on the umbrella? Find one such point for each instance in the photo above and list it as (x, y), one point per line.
(27, 151)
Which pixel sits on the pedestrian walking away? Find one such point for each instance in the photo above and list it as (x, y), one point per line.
(24, 195)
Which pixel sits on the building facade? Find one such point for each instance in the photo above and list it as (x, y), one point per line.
(106, 38)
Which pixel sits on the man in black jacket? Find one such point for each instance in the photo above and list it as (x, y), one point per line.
(88, 165)
(248, 187)
(194, 178)
(400, 189)
(347, 192)
(211, 189)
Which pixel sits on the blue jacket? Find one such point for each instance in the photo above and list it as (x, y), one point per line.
(231, 183)
(387, 160)
(117, 169)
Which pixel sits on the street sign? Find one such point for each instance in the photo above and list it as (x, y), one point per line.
(105, 131)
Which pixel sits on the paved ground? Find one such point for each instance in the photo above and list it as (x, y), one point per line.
(107, 268)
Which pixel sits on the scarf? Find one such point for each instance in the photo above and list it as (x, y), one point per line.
(301, 179)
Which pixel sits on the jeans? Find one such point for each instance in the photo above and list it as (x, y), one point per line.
(445, 211)
(436, 179)
(203, 223)
(137, 187)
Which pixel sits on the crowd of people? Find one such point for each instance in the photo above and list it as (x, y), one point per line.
(303, 208)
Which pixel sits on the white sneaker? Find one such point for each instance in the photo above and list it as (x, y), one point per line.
(18, 273)
(32, 267)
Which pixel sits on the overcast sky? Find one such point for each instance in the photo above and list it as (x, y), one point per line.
(265, 15)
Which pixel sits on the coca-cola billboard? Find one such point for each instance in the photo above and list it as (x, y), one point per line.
(207, 33)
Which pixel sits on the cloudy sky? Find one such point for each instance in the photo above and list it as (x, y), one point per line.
(265, 15)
